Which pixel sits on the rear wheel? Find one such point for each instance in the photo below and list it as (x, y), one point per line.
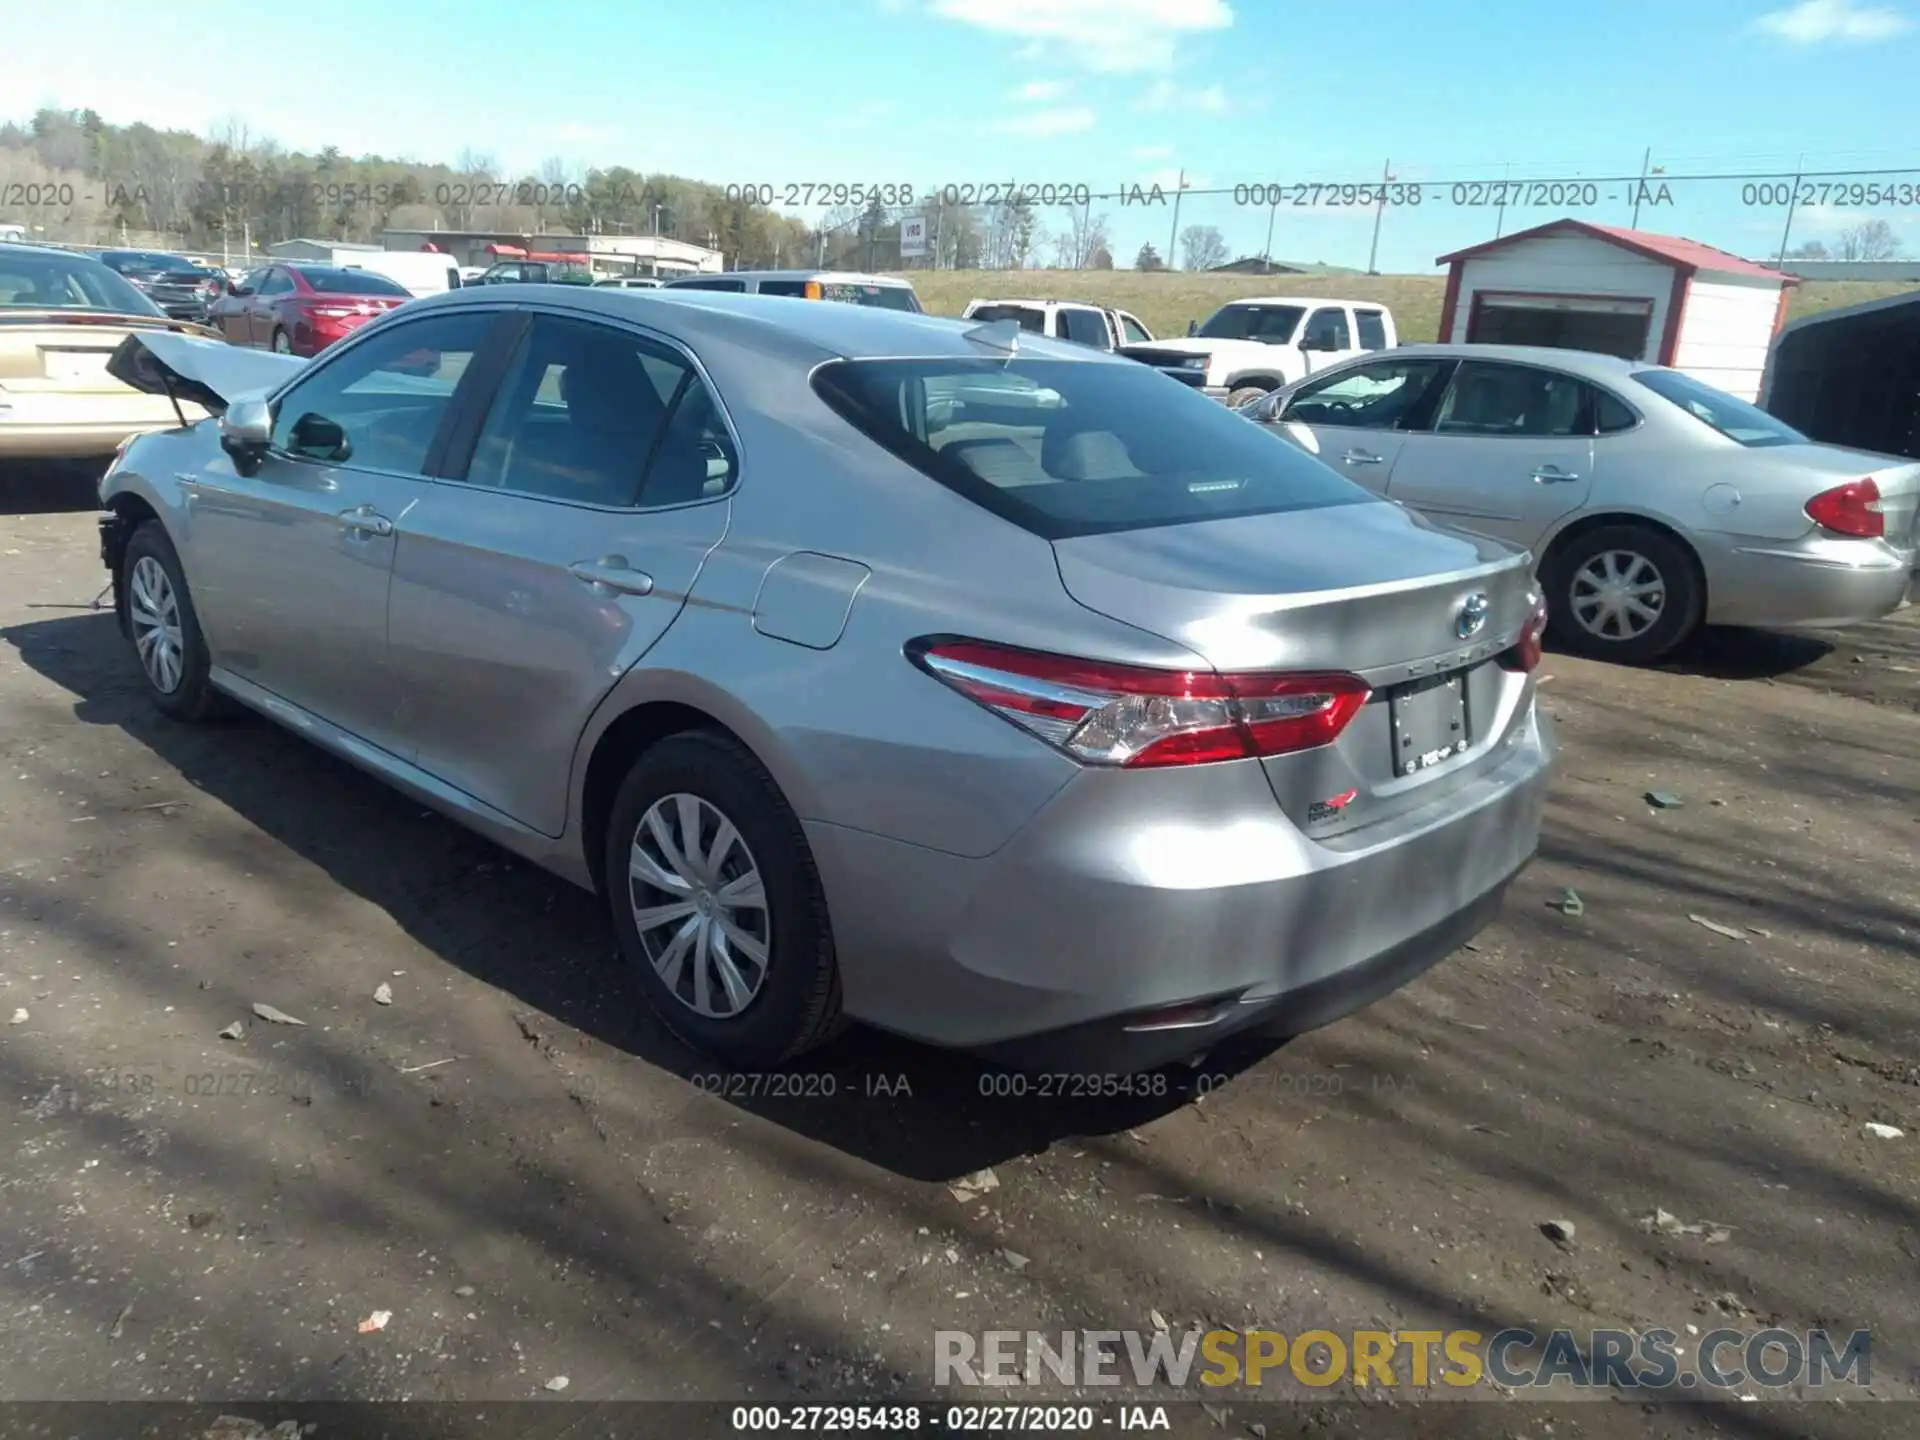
(718, 904)
(1624, 592)
(165, 629)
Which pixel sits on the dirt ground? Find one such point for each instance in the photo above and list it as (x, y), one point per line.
(535, 1182)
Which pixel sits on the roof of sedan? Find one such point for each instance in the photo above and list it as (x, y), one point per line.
(829, 328)
(1588, 361)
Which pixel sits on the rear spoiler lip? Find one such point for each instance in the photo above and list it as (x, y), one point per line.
(210, 373)
(12, 315)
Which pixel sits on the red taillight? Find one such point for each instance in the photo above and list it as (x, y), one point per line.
(1129, 715)
(1524, 655)
(1850, 509)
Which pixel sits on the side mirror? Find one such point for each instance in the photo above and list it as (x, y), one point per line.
(246, 430)
(1193, 327)
(318, 438)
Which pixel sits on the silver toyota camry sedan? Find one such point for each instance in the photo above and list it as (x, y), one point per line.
(1653, 502)
(990, 690)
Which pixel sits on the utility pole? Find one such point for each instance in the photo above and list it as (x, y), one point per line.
(1500, 216)
(1266, 253)
(1379, 214)
(1792, 196)
(1640, 189)
(1173, 240)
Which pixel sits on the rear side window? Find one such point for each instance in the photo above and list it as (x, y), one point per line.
(1064, 448)
(1612, 414)
(1373, 329)
(1514, 400)
(595, 416)
(1740, 422)
(1086, 327)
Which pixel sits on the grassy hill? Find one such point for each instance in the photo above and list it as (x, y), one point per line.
(1167, 300)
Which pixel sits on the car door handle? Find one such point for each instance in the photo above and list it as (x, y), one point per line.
(1361, 457)
(613, 573)
(1552, 475)
(365, 521)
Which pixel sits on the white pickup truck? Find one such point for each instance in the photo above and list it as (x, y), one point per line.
(1251, 346)
(1075, 320)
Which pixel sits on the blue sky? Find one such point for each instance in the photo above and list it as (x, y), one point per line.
(1105, 92)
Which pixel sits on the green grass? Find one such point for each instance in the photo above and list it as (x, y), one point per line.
(1167, 300)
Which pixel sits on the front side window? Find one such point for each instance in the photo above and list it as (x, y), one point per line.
(1740, 422)
(1519, 400)
(379, 405)
(595, 416)
(1064, 448)
(1135, 332)
(276, 282)
(1327, 330)
(1382, 396)
(1086, 327)
(1269, 324)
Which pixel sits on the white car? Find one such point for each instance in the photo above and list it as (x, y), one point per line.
(1073, 320)
(1253, 346)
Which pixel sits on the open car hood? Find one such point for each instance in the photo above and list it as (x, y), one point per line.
(210, 373)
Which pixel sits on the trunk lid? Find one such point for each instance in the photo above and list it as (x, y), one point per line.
(70, 352)
(1369, 589)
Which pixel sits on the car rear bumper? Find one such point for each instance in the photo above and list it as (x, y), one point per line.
(1821, 582)
(1131, 895)
(28, 439)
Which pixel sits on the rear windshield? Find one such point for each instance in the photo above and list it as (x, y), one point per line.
(352, 282)
(1063, 448)
(1025, 316)
(885, 297)
(1270, 324)
(1735, 419)
(59, 281)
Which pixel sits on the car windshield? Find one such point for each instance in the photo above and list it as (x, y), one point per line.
(1269, 324)
(352, 282)
(1064, 448)
(1736, 419)
(147, 260)
(56, 281)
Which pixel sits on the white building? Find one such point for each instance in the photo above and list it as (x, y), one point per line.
(318, 252)
(1655, 298)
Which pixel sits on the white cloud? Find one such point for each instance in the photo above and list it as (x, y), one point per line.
(1041, 90)
(1110, 36)
(1059, 120)
(575, 133)
(1153, 152)
(1165, 95)
(1814, 22)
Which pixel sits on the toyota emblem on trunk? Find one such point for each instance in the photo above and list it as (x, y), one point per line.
(1473, 615)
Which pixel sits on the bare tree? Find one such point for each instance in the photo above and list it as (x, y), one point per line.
(1202, 247)
(1869, 240)
(1086, 233)
(1810, 250)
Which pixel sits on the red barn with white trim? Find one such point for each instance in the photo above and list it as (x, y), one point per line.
(1657, 298)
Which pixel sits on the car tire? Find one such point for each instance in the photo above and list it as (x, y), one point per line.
(1588, 579)
(1240, 396)
(164, 628)
(282, 345)
(794, 1000)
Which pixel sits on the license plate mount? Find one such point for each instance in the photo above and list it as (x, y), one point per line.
(1431, 724)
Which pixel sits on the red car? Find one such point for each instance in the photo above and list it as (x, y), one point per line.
(302, 309)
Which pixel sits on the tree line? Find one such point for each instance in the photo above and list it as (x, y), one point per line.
(68, 175)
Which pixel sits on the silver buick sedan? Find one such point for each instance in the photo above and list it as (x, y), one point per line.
(987, 689)
(1654, 502)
